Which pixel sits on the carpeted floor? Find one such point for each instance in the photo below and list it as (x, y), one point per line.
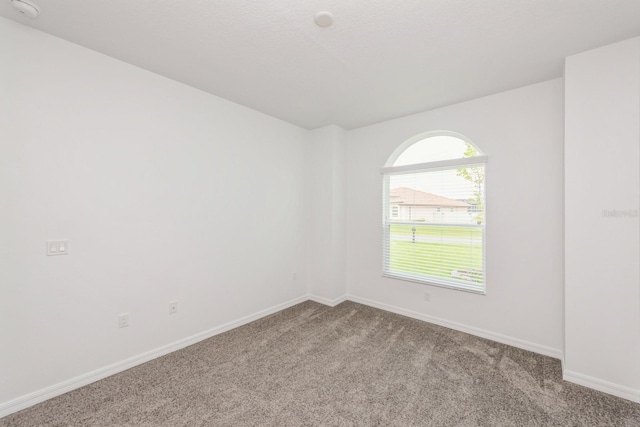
(350, 365)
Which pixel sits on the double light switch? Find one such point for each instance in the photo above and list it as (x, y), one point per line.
(57, 247)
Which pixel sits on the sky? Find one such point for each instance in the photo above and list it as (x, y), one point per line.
(431, 149)
(442, 182)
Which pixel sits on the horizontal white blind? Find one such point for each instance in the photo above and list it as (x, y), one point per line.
(434, 225)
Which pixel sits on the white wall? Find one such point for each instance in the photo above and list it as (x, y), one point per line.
(164, 191)
(327, 214)
(522, 132)
(169, 193)
(602, 173)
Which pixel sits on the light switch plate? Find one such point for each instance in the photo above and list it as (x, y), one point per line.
(57, 247)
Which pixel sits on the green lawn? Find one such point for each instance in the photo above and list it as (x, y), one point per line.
(435, 231)
(434, 259)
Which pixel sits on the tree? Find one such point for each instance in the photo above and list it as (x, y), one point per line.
(475, 175)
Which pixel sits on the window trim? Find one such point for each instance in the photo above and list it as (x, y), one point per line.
(388, 170)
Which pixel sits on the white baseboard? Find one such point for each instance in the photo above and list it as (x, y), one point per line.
(601, 385)
(327, 301)
(574, 377)
(504, 339)
(46, 393)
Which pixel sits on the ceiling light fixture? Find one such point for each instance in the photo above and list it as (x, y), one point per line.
(26, 8)
(324, 19)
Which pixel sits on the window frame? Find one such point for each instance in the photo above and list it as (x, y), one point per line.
(387, 220)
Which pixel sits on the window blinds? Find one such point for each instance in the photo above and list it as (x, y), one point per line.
(434, 223)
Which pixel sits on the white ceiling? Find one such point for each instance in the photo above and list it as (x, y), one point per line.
(381, 59)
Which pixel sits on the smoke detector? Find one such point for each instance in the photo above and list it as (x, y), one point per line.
(26, 8)
(323, 19)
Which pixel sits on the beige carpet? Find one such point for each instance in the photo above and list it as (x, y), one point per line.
(351, 365)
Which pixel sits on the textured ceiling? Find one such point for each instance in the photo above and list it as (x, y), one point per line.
(381, 59)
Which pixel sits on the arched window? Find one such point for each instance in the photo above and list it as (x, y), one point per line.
(434, 212)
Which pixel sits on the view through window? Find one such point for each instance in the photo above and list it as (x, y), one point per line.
(434, 213)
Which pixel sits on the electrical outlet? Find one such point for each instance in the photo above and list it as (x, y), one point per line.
(427, 296)
(173, 307)
(295, 276)
(123, 320)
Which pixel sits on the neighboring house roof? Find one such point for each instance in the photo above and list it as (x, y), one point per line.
(410, 197)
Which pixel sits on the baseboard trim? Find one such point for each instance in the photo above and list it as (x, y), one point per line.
(601, 385)
(327, 301)
(504, 339)
(46, 393)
